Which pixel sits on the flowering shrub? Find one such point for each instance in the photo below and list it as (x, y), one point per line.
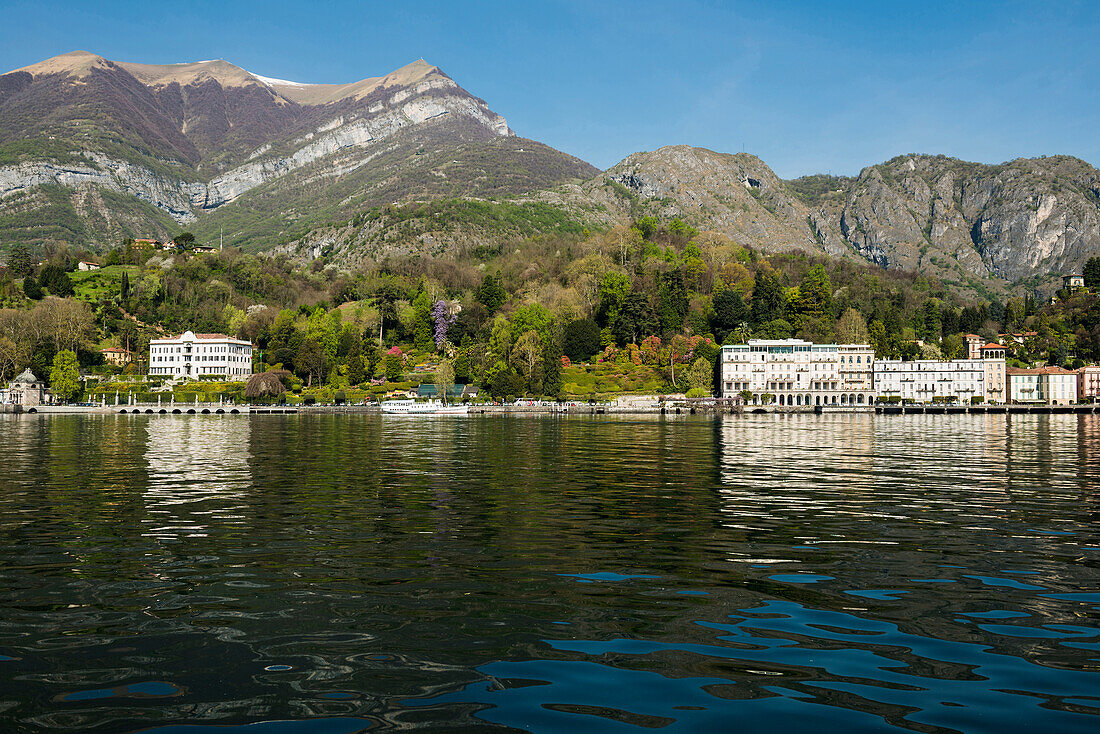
(443, 318)
(651, 349)
(565, 362)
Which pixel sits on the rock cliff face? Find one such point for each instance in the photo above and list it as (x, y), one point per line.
(1015, 220)
(968, 223)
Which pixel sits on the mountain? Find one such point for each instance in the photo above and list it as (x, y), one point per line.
(970, 224)
(92, 150)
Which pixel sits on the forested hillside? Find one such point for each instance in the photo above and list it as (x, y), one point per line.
(628, 310)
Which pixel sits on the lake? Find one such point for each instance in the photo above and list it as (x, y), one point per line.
(335, 574)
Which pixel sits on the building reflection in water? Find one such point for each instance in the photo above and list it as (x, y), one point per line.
(198, 474)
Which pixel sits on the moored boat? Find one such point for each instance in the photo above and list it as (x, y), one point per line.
(412, 407)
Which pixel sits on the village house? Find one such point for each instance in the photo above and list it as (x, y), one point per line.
(1073, 282)
(1088, 384)
(84, 266)
(117, 357)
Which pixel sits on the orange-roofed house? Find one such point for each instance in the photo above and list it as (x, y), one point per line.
(116, 357)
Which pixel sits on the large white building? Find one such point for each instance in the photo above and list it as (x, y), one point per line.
(798, 372)
(201, 355)
(929, 380)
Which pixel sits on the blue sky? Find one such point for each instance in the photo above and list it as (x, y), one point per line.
(808, 86)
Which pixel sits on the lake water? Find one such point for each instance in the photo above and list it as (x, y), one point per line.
(333, 574)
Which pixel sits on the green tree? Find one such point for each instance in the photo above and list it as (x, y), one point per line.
(1092, 273)
(673, 299)
(700, 375)
(852, 328)
(20, 261)
(31, 288)
(815, 293)
(551, 369)
(533, 316)
(613, 290)
(527, 357)
(65, 375)
(354, 360)
(635, 319)
(491, 293)
(423, 326)
(767, 299)
(730, 311)
(184, 240)
(581, 339)
(311, 361)
(124, 292)
(395, 369)
(444, 379)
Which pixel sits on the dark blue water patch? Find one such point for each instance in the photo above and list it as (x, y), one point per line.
(309, 726)
(879, 594)
(1050, 532)
(1014, 630)
(800, 578)
(337, 695)
(788, 635)
(1083, 645)
(1085, 596)
(559, 622)
(146, 689)
(996, 614)
(90, 695)
(587, 697)
(608, 576)
(4, 658)
(1009, 583)
(153, 688)
(946, 565)
(934, 581)
(806, 547)
(694, 593)
(278, 668)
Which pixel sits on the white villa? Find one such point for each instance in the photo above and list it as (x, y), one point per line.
(201, 355)
(798, 372)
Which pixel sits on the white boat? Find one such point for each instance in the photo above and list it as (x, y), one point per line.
(412, 407)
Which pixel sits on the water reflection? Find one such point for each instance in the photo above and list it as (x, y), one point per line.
(189, 461)
(826, 573)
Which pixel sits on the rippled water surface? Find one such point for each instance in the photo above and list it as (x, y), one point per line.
(286, 574)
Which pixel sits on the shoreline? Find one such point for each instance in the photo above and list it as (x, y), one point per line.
(574, 410)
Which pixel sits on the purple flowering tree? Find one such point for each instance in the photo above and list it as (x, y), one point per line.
(443, 318)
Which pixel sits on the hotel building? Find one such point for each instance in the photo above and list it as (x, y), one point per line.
(1047, 385)
(798, 372)
(201, 355)
(929, 380)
